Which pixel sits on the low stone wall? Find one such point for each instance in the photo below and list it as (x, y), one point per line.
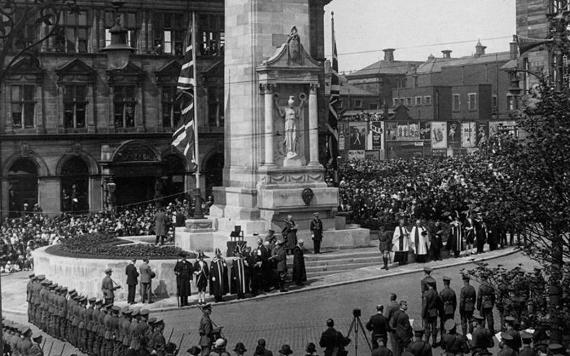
(85, 275)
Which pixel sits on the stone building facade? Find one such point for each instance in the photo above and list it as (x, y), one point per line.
(72, 131)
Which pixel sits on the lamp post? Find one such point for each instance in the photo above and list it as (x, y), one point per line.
(118, 52)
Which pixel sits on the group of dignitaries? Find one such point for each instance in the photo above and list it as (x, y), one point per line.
(478, 332)
(91, 325)
(248, 272)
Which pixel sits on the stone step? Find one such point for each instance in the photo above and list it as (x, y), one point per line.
(341, 254)
(342, 261)
(341, 266)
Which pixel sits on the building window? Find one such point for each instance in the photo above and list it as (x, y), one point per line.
(26, 35)
(373, 106)
(128, 21)
(418, 100)
(427, 100)
(211, 38)
(23, 103)
(408, 101)
(472, 101)
(73, 33)
(216, 106)
(495, 104)
(170, 108)
(456, 104)
(170, 31)
(74, 104)
(357, 103)
(124, 103)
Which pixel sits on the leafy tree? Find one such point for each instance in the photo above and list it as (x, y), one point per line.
(529, 186)
(24, 25)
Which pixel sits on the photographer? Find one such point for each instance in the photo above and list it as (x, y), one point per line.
(333, 341)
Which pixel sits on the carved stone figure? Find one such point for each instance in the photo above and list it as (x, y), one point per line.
(294, 47)
(290, 114)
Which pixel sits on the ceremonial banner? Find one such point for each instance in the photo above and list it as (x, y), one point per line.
(468, 134)
(438, 134)
(357, 136)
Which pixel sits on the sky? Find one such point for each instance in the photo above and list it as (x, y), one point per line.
(416, 28)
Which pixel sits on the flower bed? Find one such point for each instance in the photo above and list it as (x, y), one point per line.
(110, 247)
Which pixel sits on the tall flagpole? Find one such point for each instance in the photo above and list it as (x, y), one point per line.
(197, 196)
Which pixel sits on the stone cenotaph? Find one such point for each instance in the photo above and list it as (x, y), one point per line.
(272, 169)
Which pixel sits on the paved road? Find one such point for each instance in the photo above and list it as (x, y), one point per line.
(300, 318)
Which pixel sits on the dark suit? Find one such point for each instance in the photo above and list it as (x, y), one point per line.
(184, 271)
(391, 309)
(317, 231)
(378, 325)
(333, 341)
(132, 281)
(160, 226)
(403, 330)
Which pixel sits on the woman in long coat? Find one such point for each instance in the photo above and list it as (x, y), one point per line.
(299, 272)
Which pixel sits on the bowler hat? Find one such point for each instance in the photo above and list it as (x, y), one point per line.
(240, 348)
(286, 350)
(311, 348)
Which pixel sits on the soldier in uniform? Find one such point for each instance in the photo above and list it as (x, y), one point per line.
(100, 346)
(452, 343)
(316, 228)
(89, 324)
(218, 276)
(142, 329)
(481, 339)
(94, 327)
(115, 331)
(158, 340)
(124, 330)
(527, 350)
(82, 324)
(428, 279)
(511, 330)
(36, 348)
(385, 246)
(448, 302)
(133, 330)
(62, 312)
(183, 271)
(419, 347)
(486, 302)
(108, 287)
(431, 306)
(505, 345)
(467, 299)
(29, 293)
(108, 325)
(25, 344)
(206, 330)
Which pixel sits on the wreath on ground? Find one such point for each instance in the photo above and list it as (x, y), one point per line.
(110, 247)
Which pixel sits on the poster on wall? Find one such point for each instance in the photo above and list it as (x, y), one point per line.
(453, 131)
(509, 127)
(357, 135)
(468, 134)
(439, 134)
(358, 155)
(377, 130)
(391, 130)
(408, 131)
(425, 130)
(482, 133)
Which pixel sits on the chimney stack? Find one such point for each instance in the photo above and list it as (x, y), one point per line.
(514, 48)
(446, 53)
(479, 49)
(389, 54)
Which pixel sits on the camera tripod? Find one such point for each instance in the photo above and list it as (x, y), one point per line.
(356, 322)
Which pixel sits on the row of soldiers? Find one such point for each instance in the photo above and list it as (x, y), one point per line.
(18, 340)
(90, 325)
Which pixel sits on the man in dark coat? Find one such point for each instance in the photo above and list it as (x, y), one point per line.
(299, 273)
(160, 226)
(261, 261)
(184, 272)
(402, 328)
(382, 350)
(480, 233)
(391, 309)
(486, 302)
(467, 299)
(332, 340)
(316, 228)
(378, 327)
(428, 279)
(436, 241)
(239, 276)
(385, 246)
(481, 339)
(448, 302)
(218, 276)
(132, 280)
